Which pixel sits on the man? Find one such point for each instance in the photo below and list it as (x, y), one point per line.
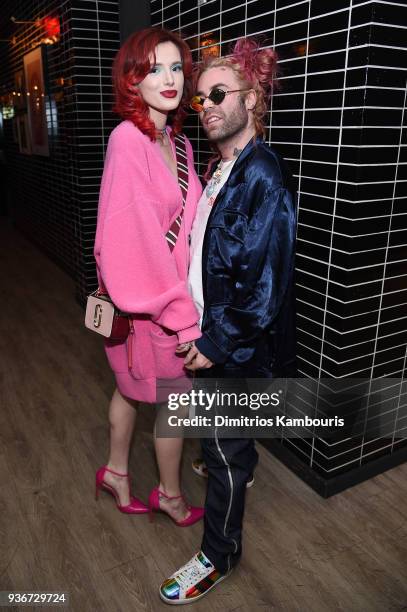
(241, 278)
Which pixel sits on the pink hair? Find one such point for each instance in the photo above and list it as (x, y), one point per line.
(256, 69)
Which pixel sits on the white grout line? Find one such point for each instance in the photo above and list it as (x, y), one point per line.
(344, 303)
(325, 180)
(323, 144)
(328, 163)
(364, 284)
(353, 269)
(303, 114)
(351, 316)
(352, 331)
(328, 214)
(331, 108)
(317, 195)
(336, 127)
(305, 331)
(323, 246)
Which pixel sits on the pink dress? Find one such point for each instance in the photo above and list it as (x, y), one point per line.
(139, 200)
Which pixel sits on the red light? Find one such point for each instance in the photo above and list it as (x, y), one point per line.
(51, 26)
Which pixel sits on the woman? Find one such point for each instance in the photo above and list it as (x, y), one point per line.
(139, 200)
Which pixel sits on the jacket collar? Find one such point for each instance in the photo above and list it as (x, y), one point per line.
(248, 149)
(246, 152)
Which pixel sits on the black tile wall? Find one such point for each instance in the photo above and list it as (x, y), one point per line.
(337, 119)
(54, 199)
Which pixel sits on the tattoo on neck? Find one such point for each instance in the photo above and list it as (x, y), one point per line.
(236, 152)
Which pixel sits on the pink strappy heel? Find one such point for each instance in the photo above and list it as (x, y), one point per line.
(154, 505)
(134, 507)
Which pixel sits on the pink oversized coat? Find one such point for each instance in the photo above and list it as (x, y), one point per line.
(139, 199)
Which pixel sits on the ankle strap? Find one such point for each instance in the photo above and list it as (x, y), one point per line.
(168, 496)
(116, 473)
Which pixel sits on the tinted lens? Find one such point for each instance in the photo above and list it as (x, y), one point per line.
(217, 96)
(197, 104)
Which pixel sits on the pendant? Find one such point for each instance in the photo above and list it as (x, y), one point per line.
(210, 188)
(215, 180)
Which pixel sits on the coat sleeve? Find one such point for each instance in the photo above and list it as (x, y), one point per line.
(134, 260)
(265, 265)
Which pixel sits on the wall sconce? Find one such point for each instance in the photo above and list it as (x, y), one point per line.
(50, 26)
(37, 21)
(210, 48)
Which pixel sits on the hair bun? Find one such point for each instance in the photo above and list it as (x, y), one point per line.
(256, 63)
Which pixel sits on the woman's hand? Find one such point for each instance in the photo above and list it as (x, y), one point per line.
(184, 347)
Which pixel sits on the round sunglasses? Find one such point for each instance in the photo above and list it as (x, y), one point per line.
(217, 96)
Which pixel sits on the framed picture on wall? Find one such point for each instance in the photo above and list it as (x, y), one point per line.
(24, 140)
(36, 96)
(19, 97)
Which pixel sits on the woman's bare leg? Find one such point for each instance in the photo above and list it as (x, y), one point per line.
(169, 452)
(122, 417)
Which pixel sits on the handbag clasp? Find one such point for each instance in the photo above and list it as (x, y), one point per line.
(97, 317)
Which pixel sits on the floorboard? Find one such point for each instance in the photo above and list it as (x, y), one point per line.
(301, 553)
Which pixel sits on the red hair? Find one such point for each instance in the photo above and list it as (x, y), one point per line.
(132, 64)
(254, 68)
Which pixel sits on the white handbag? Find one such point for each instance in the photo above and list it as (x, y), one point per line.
(104, 318)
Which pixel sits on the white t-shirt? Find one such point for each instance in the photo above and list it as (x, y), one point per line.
(198, 232)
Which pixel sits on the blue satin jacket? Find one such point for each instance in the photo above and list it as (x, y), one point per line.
(248, 269)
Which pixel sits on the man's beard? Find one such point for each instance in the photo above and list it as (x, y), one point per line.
(232, 124)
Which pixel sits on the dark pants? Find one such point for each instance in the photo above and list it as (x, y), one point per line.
(230, 464)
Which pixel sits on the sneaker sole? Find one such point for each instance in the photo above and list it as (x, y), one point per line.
(182, 602)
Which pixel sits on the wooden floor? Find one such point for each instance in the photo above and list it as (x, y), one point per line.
(301, 553)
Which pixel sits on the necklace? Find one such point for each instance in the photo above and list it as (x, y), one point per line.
(215, 179)
(163, 134)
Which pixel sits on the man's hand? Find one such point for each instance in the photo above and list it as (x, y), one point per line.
(196, 360)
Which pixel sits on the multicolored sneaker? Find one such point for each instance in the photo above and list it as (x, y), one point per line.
(191, 582)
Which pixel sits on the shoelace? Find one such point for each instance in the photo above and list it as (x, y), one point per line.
(191, 572)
